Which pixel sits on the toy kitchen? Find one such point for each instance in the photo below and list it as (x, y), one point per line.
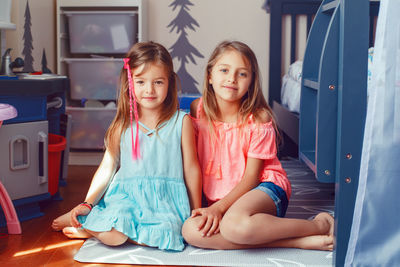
(92, 38)
(33, 133)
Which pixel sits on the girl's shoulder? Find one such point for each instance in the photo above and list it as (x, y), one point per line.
(178, 117)
(173, 124)
(261, 116)
(194, 107)
(261, 122)
(174, 121)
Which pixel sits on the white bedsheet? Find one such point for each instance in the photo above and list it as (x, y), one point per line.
(291, 87)
(290, 93)
(291, 83)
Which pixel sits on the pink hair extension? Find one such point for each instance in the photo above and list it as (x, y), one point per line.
(132, 97)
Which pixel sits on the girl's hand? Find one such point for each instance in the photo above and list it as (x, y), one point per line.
(78, 210)
(209, 223)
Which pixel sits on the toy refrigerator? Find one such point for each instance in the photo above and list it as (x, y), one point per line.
(23, 158)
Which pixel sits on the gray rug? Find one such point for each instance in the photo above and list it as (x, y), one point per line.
(309, 197)
(96, 252)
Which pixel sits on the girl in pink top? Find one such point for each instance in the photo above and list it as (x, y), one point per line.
(245, 185)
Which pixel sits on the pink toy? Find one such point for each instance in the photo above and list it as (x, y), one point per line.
(8, 112)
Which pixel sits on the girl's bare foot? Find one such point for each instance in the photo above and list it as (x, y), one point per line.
(318, 242)
(327, 223)
(315, 242)
(73, 232)
(61, 222)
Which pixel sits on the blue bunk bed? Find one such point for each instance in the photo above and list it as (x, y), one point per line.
(288, 121)
(328, 130)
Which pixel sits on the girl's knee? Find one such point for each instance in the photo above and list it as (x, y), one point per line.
(112, 238)
(236, 228)
(190, 232)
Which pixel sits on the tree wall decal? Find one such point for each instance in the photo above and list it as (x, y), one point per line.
(45, 69)
(182, 49)
(28, 47)
(265, 6)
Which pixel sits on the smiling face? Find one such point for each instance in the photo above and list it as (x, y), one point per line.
(230, 77)
(151, 86)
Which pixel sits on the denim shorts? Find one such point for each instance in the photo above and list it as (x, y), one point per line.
(277, 194)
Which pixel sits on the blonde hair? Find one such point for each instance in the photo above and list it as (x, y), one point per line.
(141, 53)
(253, 102)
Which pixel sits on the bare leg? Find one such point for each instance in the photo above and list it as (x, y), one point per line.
(216, 241)
(110, 238)
(61, 222)
(314, 242)
(194, 238)
(249, 224)
(73, 232)
(248, 221)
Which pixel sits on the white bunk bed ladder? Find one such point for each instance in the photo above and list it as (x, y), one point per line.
(333, 104)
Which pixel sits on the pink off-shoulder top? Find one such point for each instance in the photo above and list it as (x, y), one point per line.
(223, 154)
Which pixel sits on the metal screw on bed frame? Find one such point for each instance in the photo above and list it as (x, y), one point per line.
(331, 87)
(349, 156)
(327, 172)
(347, 180)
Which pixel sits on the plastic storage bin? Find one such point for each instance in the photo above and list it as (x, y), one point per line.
(101, 32)
(5, 12)
(57, 144)
(89, 126)
(94, 78)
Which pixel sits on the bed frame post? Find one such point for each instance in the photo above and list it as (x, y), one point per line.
(275, 42)
(352, 105)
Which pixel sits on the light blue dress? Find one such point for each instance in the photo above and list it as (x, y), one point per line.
(147, 198)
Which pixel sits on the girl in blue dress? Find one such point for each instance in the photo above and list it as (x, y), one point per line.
(149, 178)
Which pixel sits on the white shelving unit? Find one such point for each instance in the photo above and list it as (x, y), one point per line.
(5, 23)
(138, 7)
(78, 61)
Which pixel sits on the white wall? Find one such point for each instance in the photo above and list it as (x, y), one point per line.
(43, 31)
(218, 20)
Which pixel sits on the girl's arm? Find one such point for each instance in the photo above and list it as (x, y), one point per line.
(251, 174)
(193, 107)
(211, 216)
(249, 181)
(191, 167)
(98, 186)
(101, 178)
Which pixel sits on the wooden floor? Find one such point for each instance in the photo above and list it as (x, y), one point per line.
(39, 245)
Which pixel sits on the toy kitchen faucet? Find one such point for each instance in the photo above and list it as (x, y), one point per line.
(7, 65)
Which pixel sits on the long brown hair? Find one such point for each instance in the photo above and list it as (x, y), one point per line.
(253, 102)
(141, 53)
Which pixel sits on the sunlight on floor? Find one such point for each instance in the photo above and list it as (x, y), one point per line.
(49, 247)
